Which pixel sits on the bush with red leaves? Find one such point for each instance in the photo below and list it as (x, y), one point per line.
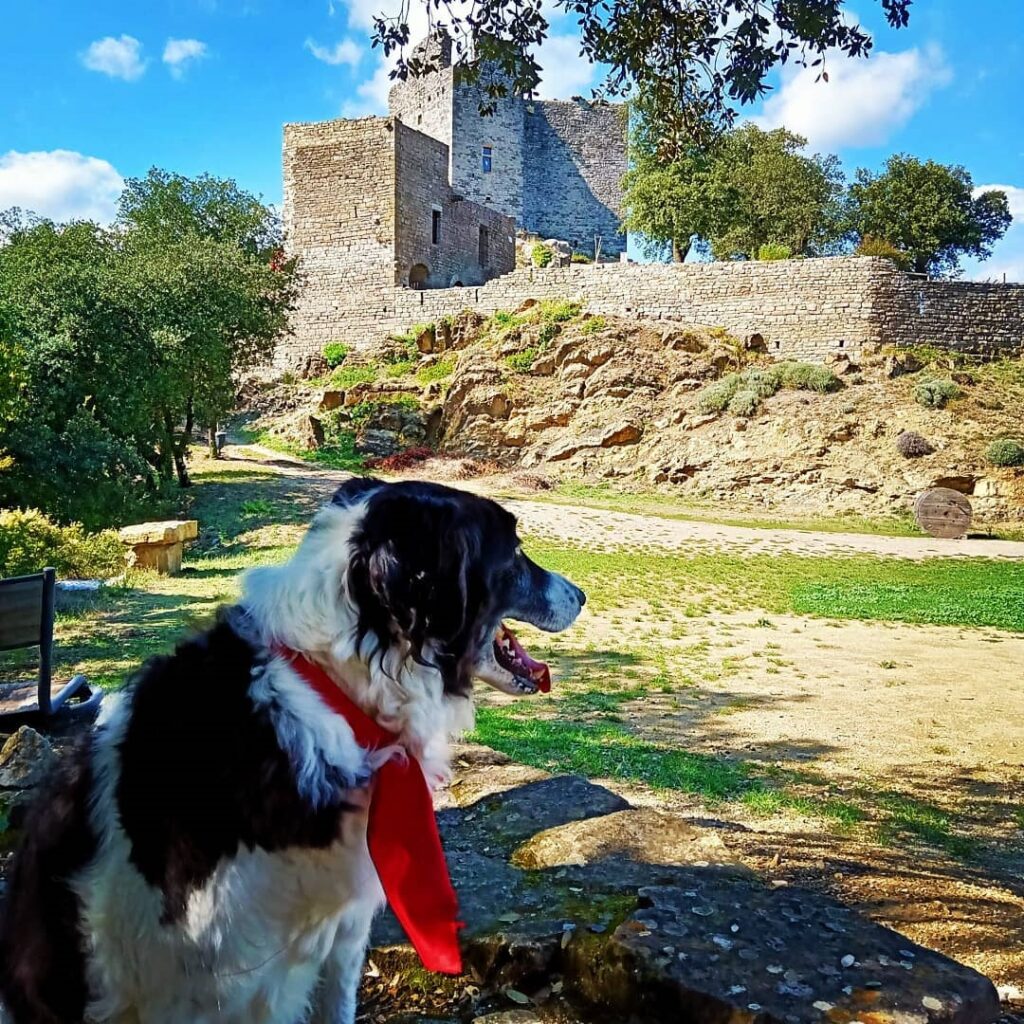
(401, 460)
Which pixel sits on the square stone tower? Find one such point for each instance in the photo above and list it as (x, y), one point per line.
(554, 166)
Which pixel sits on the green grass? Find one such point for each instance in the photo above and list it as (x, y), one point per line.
(596, 721)
(348, 376)
(338, 453)
(922, 821)
(604, 749)
(963, 592)
(441, 370)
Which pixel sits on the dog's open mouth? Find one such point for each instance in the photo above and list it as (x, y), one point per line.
(530, 675)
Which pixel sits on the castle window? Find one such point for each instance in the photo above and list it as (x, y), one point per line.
(484, 245)
(485, 159)
(435, 226)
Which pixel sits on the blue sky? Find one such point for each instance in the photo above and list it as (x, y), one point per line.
(96, 91)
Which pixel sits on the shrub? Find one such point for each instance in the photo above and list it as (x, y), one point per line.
(762, 383)
(774, 251)
(871, 246)
(362, 412)
(558, 311)
(348, 376)
(912, 445)
(441, 370)
(541, 254)
(30, 542)
(521, 362)
(744, 402)
(547, 334)
(716, 397)
(593, 324)
(807, 377)
(334, 353)
(935, 393)
(580, 257)
(1005, 452)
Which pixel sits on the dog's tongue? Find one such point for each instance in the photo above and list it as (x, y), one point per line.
(539, 672)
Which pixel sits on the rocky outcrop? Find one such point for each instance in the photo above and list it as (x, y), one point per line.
(607, 399)
(566, 887)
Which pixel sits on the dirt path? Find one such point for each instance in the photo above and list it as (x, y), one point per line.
(604, 529)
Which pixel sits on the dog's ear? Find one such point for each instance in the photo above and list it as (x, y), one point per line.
(415, 570)
(355, 490)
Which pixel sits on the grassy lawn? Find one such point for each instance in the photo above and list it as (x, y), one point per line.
(964, 592)
(250, 515)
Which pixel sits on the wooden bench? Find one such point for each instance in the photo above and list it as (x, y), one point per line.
(26, 620)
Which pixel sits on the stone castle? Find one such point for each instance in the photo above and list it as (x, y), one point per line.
(412, 217)
(432, 195)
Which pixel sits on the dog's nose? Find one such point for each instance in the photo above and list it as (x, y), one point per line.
(580, 596)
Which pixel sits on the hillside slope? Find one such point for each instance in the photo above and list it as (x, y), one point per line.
(687, 409)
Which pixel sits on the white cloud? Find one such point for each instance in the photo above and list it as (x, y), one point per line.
(118, 58)
(60, 184)
(1015, 197)
(180, 53)
(864, 101)
(371, 94)
(344, 52)
(564, 73)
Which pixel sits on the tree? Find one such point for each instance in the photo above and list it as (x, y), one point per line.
(691, 58)
(929, 211)
(207, 277)
(130, 336)
(777, 195)
(670, 196)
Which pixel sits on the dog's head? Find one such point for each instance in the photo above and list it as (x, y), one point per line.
(438, 571)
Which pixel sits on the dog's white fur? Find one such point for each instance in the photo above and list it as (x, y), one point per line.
(270, 937)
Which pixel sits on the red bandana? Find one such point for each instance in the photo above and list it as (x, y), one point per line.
(401, 833)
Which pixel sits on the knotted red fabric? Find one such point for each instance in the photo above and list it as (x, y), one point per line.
(402, 835)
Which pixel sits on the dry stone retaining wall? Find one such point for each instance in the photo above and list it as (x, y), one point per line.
(803, 309)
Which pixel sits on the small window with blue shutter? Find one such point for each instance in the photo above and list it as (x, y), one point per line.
(485, 159)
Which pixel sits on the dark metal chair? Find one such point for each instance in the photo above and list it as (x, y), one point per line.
(26, 620)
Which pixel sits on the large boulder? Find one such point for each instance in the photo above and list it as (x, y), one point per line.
(642, 913)
(25, 760)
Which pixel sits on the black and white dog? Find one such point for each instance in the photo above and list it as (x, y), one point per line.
(204, 860)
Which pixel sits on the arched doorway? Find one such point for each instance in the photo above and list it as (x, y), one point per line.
(418, 276)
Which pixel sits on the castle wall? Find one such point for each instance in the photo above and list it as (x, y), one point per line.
(575, 157)
(420, 164)
(804, 309)
(967, 316)
(339, 215)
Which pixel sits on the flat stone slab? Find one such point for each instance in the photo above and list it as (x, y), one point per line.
(171, 531)
(647, 914)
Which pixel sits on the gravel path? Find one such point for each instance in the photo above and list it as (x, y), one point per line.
(604, 529)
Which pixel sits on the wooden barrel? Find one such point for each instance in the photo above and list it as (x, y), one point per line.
(943, 512)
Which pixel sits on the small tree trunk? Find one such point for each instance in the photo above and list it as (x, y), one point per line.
(178, 450)
(214, 450)
(680, 250)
